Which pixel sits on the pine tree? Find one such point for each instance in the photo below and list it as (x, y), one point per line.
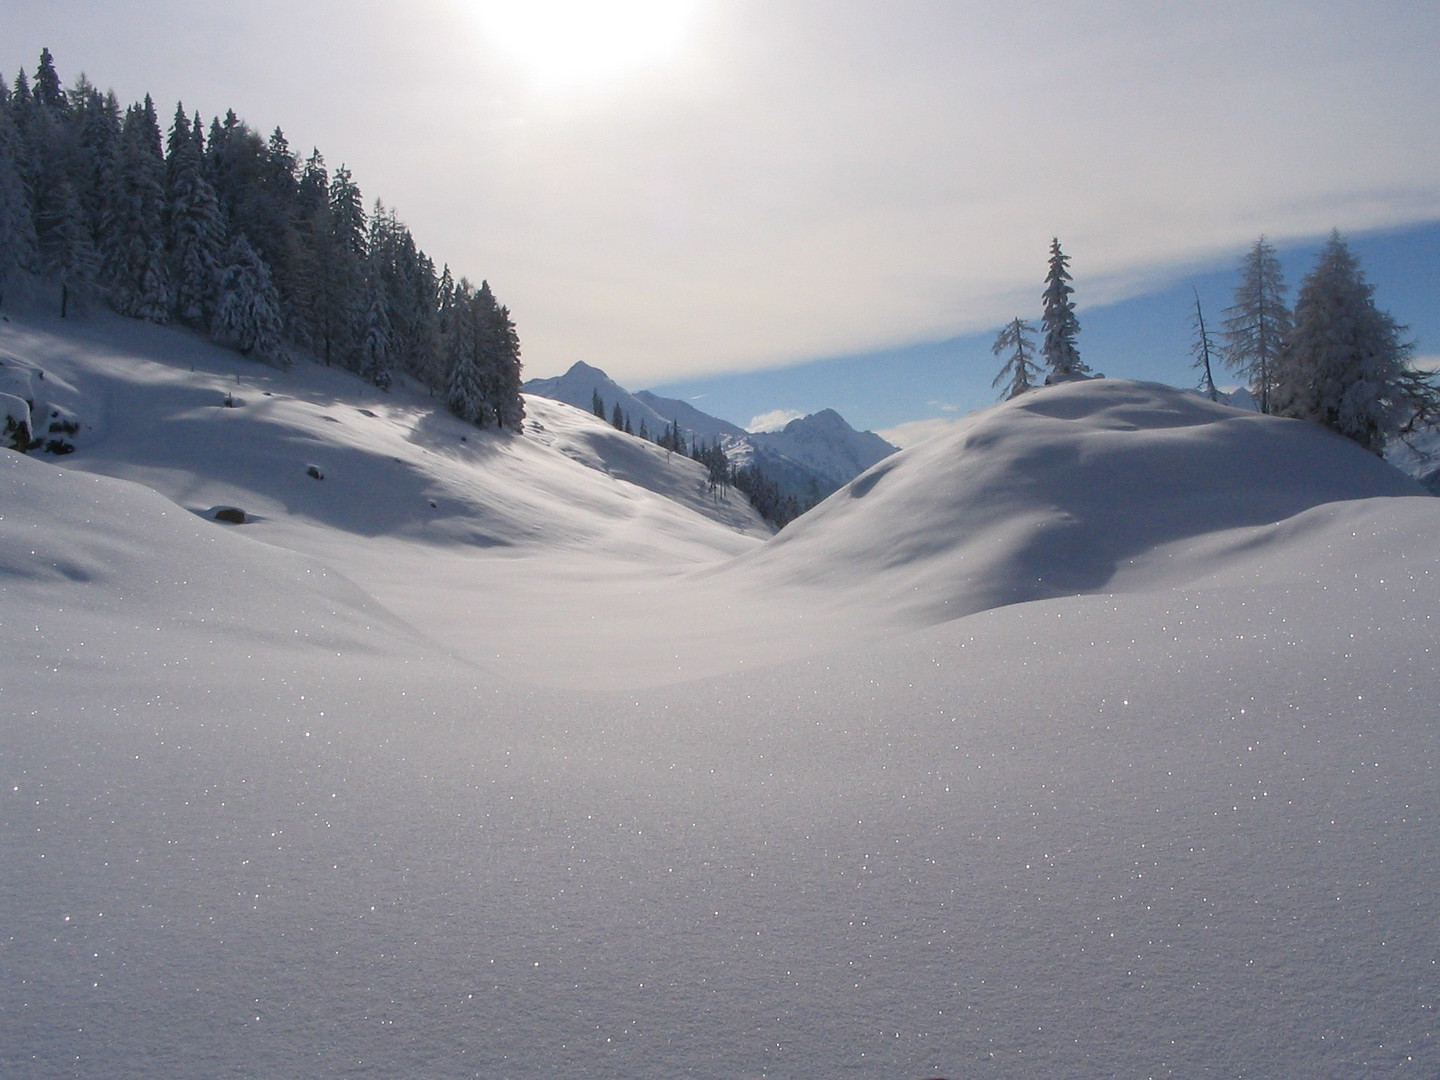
(1202, 349)
(67, 254)
(344, 265)
(465, 393)
(377, 343)
(502, 361)
(597, 403)
(312, 315)
(1020, 368)
(134, 250)
(1346, 365)
(18, 243)
(1257, 325)
(617, 418)
(247, 317)
(195, 227)
(47, 89)
(99, 121)
(1058, 321)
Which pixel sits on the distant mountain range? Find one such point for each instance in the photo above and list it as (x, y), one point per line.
(810, 458)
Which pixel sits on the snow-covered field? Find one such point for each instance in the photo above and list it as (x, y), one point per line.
(1097, 739)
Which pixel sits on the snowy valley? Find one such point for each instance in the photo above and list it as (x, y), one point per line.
(808, 458)
(1096, 738)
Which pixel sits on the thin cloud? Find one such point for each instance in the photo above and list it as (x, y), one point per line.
(773, 420)
(917, 431)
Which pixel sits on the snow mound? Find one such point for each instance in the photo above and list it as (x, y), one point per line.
(1091, 486)
(113, 564)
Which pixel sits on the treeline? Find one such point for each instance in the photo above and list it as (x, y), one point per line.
(763, 493)
(1336, 358)
(231, 234)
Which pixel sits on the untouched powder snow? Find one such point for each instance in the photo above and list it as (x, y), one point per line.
(1097, 740)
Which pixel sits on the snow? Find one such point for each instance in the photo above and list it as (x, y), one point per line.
(1094, 739)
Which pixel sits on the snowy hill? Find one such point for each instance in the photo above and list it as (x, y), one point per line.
(152, 403)
(560, 776)
(1089, 486)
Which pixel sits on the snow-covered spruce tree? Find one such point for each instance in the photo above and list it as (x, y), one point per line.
(465, 390)
(1059, 322)
(501, 352)
(377, 341)
(67, 255)
(18, 246)
(247, 316)
(312, 313)
(1346, 365)
(1020, 368)
(1203, 348)
(196, 229)
(98, 120)
(344, 267)
(1257, 325)
(133, 240)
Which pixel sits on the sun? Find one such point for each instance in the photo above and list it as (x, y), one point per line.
(571, 43)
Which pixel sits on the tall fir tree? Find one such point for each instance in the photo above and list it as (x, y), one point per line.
(1257, 324)
(133, 256)
(1016, 342)
(195, 227)
(18, 243)
(377, 341)
(1058, 321)
(345, 268)
(465, 390)
(1347, 362)
(504, 344)
(47, 90)
(67, 254)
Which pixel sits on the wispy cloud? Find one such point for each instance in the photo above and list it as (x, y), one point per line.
(917, 431)
(773, 420)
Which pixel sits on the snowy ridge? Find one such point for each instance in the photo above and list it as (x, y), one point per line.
(570, 779)
(822, 446)
(809, 458)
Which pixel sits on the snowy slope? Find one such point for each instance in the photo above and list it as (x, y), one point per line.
(205, 426)
(337, 793)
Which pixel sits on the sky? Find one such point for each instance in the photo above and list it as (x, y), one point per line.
(686, 190)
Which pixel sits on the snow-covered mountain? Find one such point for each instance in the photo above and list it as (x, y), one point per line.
(809, 458)
(1097, 739)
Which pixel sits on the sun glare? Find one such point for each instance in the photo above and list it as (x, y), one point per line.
(567, 43)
